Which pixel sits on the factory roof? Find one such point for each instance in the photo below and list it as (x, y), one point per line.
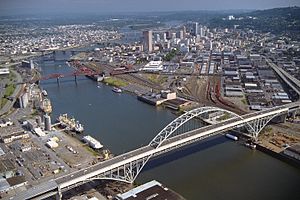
(152, 190)
(6, 165)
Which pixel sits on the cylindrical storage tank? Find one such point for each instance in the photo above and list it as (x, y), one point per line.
(39, 121)
(47, 120)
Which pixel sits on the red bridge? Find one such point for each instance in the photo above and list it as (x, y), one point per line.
(80, 71)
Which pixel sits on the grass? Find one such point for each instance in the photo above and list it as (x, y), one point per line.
(92, 151)
(3, 101)
(115, 82)
(157, 78)
(9, 90)
(170, 55)
(224, 117)
(244, 101)
(12, 76)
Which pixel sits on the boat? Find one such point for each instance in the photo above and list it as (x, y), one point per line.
(250, 145)
(44, 92)
(116, 90)
(78, 127)
(68, 123)
(233, 137)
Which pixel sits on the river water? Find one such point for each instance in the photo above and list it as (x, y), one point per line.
(215, 169)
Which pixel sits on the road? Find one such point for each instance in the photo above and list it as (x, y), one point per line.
(286, 77)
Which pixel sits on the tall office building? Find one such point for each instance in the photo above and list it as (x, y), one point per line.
(195, 28)
(201, 32)
(181, 34)
(168, 35)
(148, 41)
(157, 38)
(184, 31)
(165, 37)
(24, 100)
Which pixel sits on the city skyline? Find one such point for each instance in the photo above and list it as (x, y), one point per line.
(13, 7)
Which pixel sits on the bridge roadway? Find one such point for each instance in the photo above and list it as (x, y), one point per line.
(82, 175)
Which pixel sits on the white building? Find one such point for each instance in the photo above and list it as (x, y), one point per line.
(4, 71)
(24, 100)
(153, 66)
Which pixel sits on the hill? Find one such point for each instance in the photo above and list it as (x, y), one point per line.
(276, 20)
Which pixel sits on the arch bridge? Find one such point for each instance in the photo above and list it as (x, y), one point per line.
(184, 130)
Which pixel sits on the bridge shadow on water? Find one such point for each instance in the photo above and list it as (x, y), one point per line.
(62, 81)
(184, 151)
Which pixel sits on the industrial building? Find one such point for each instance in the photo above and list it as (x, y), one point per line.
(157, 99)
(4, 71)
(12, 133)
(152, 190)
(7, 168)
(5, 123)
(27, 64)
(153, 66)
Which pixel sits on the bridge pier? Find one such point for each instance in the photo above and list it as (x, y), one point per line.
(293, 114)
(57, 80)
(58, 195)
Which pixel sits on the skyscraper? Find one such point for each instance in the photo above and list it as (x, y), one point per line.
(148, 41)
(184, 31)
(195, 28)
(202, 32)
(181, 34)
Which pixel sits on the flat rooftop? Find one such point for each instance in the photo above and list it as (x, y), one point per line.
(6, 165)
(10, 130)
(152, 190)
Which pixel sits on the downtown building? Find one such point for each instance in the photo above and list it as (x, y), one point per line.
(147, 42)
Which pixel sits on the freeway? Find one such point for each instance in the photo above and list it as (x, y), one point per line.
(75, 178)
(286, 77)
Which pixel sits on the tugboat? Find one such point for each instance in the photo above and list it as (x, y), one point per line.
(78, 127)
(250, 144)
(70, 124)
(116, 90)
(44, 92)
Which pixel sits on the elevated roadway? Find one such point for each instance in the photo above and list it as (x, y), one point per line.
(285, 76)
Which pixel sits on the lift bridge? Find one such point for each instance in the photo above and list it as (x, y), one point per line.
(184, 130)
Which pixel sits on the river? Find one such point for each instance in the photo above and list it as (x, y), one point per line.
(215, 169)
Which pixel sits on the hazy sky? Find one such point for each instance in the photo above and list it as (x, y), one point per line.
(85, 6)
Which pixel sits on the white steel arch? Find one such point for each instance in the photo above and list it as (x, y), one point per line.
(181, 120)
(128, 172)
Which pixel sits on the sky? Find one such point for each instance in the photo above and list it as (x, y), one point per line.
(110, 6)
